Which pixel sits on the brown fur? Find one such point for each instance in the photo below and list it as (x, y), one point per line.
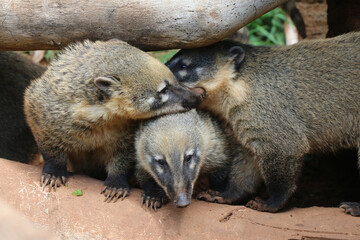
(87, 105)
(163, 145)
(281, 102)
(16, 141)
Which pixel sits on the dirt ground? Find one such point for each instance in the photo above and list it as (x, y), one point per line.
(324, 183)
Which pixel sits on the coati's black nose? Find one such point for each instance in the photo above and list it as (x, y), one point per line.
(194, 97)
(182, 200)
(199, 91)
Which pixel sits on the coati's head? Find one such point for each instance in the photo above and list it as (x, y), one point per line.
(169, 148)
(122, 79)
(213, 68)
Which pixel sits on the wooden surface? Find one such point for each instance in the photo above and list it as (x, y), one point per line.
(150, 25)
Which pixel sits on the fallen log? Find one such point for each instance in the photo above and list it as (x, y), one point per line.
(149, 25)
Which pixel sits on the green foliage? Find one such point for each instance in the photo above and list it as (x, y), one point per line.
(164, 56)
(77, 193)
(50, 55)
(268, 29)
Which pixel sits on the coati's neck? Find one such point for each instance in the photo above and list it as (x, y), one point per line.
(225, 93)
(100, 116)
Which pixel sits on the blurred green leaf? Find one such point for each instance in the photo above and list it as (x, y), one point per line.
(50, 55)
(268, 29)
(77, 192)
(163, 56)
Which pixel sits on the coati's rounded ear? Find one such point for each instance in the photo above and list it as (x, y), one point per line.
(114, 40)
(238, 55)
(106, 84)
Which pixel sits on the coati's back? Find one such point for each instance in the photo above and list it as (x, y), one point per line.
(175, 148)
(312, 84)
(315, 84)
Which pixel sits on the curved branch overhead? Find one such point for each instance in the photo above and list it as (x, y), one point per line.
(147, 24)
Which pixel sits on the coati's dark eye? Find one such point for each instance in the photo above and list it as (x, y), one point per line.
(164, 90)
(188, 158)
(161, 162)
(183, 66)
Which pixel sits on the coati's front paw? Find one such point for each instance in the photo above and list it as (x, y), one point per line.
(212, 196)
(352, 208)
(53, 175)
(115, 188)
(153, 202)
(263, 206)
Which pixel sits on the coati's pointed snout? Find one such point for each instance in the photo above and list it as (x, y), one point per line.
(182, 200)
(193, 97)
(199, 91)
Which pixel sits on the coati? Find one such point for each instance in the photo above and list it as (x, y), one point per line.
(281, 102)
(88, 111)
(173, 150)
(16, 140)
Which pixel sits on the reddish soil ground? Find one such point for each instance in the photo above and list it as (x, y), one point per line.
(88, 217)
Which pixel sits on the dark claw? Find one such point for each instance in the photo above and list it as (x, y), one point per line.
(147, 204)
(42, 180)
(109, 194)
(352, 208)
(63, 179)
(126, 193)
(212, 196)
(142, 200)
(46, 181)
(104, 189)
(52, 183)
(151, 203)
(51, 180)
(117, 196)
(114, 193)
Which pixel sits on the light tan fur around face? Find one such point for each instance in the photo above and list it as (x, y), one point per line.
(224, 91)
(184, 134)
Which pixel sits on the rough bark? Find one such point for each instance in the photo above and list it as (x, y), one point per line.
(314, 13)
(150, 25)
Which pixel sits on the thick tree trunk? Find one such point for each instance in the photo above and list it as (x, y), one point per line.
(147, 24)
